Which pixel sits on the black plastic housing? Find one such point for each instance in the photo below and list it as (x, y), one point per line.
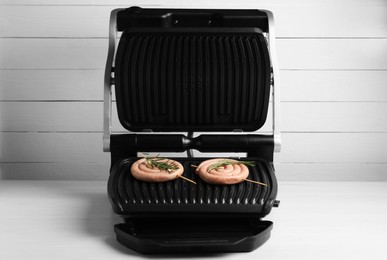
(128, 145)
(198, 70)
(136, 17)
(194, 236)
(180, 217)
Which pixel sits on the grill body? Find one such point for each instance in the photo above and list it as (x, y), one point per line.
(178, 70)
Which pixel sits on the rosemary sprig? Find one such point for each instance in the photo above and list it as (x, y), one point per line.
(225, 162)
(222, 163)
(161, 163)
(164, 164)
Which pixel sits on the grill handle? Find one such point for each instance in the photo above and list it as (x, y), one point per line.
(128, 145)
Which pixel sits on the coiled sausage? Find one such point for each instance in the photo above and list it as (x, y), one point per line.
(231, 173)
(143, 171)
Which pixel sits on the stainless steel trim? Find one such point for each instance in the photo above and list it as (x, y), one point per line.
(107, 90)
(190, 153)
(275, 84)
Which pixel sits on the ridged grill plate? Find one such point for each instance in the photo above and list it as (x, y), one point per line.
(131, 196)
(189, 81)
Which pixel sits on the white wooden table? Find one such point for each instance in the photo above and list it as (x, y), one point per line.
(74, 220)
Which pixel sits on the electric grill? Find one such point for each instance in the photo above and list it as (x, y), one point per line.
(177, 72)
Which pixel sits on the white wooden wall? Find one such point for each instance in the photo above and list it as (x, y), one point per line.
(333, 60)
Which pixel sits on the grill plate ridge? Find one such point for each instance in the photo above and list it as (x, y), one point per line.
(135, 196)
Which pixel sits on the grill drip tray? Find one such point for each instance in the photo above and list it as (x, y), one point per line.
(193, 235)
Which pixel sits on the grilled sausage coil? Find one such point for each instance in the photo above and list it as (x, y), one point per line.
(142, 171)
(228, 174)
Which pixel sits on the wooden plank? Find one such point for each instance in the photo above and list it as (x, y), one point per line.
(296, 117)
(158, 3)
(297, 147)
(304, 85)
(51, 116)
(333, 147)
(73, 54)
(52, 147)
(331, 171)
(49, 84)
(332, 54)
(91, 19)
(330, 18)
(284, 171)
(334, 116)
(54, 171)
(55, 21)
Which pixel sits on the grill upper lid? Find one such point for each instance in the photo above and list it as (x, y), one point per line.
(169, 18)
(203, 78)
